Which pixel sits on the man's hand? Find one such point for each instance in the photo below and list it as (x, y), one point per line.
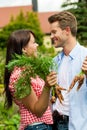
(84, 66)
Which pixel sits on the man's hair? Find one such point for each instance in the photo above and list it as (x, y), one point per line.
(65, 19)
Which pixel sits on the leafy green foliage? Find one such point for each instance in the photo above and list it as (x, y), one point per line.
(9, 119)
(22, 86)
(2, 65)
(29, 21)
(48, 51)
(33, 66)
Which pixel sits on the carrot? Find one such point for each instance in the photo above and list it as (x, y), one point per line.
(59, 87)
(56, 92)
(53, 99)
(59, 95)
(80, 82)
(78, 78)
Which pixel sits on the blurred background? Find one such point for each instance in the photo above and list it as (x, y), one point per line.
(33, 14)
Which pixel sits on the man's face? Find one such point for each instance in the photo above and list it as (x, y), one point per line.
(58, 36)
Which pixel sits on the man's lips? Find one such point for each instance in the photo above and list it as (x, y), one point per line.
(54, 40)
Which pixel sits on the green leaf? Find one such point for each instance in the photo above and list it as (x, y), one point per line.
(32, 67)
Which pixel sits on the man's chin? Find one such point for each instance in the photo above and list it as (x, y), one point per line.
(56, 45)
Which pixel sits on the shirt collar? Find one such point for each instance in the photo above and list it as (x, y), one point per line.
(72, 54)
(74, 51)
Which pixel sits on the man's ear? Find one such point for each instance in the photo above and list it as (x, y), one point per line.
(68, 29)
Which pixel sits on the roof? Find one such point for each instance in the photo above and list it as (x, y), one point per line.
(43, 18)
(7, 12)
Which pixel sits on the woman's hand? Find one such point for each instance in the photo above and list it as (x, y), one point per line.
(51, 79)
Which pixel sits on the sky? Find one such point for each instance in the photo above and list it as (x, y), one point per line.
(43, 5)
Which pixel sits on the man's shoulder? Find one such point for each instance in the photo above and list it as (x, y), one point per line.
(83, 48)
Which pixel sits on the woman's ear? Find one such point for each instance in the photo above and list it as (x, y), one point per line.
(24, 51)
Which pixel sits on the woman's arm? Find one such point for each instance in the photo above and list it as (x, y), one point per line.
(39, 106)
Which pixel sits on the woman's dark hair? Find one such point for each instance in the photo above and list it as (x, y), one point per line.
(16, 41)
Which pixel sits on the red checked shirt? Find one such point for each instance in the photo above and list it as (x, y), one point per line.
(26, 116)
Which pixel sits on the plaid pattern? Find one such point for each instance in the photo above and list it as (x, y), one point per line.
(26, 116)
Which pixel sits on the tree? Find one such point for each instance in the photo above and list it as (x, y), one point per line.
(28, 21)
(79, 9)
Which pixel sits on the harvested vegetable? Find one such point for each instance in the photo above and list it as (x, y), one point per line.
(78, 78)
(56, 92)
(60, 96)
(33, 66)
(53, 95)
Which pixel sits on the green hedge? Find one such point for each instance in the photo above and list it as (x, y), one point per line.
(9, 119)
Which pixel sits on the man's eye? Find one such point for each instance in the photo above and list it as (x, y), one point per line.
(54, 32)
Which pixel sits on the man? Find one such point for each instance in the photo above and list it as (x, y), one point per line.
(71, 113)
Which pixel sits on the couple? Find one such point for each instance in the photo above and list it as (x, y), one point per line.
(34, 107)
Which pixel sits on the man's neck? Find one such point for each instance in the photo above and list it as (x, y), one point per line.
(69, 46)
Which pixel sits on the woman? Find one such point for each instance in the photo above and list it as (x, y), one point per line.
(34, 108)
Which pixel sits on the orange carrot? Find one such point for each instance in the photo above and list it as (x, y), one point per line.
(78, 78)
(80, 82)
(56, 92)
(59, 95)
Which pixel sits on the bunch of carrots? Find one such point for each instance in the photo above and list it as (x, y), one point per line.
(56, 91)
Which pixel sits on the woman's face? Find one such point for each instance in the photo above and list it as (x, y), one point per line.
(31, 48)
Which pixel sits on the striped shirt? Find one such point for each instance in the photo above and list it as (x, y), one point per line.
(26, 116)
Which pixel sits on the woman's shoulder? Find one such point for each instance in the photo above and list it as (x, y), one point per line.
(15, 73)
